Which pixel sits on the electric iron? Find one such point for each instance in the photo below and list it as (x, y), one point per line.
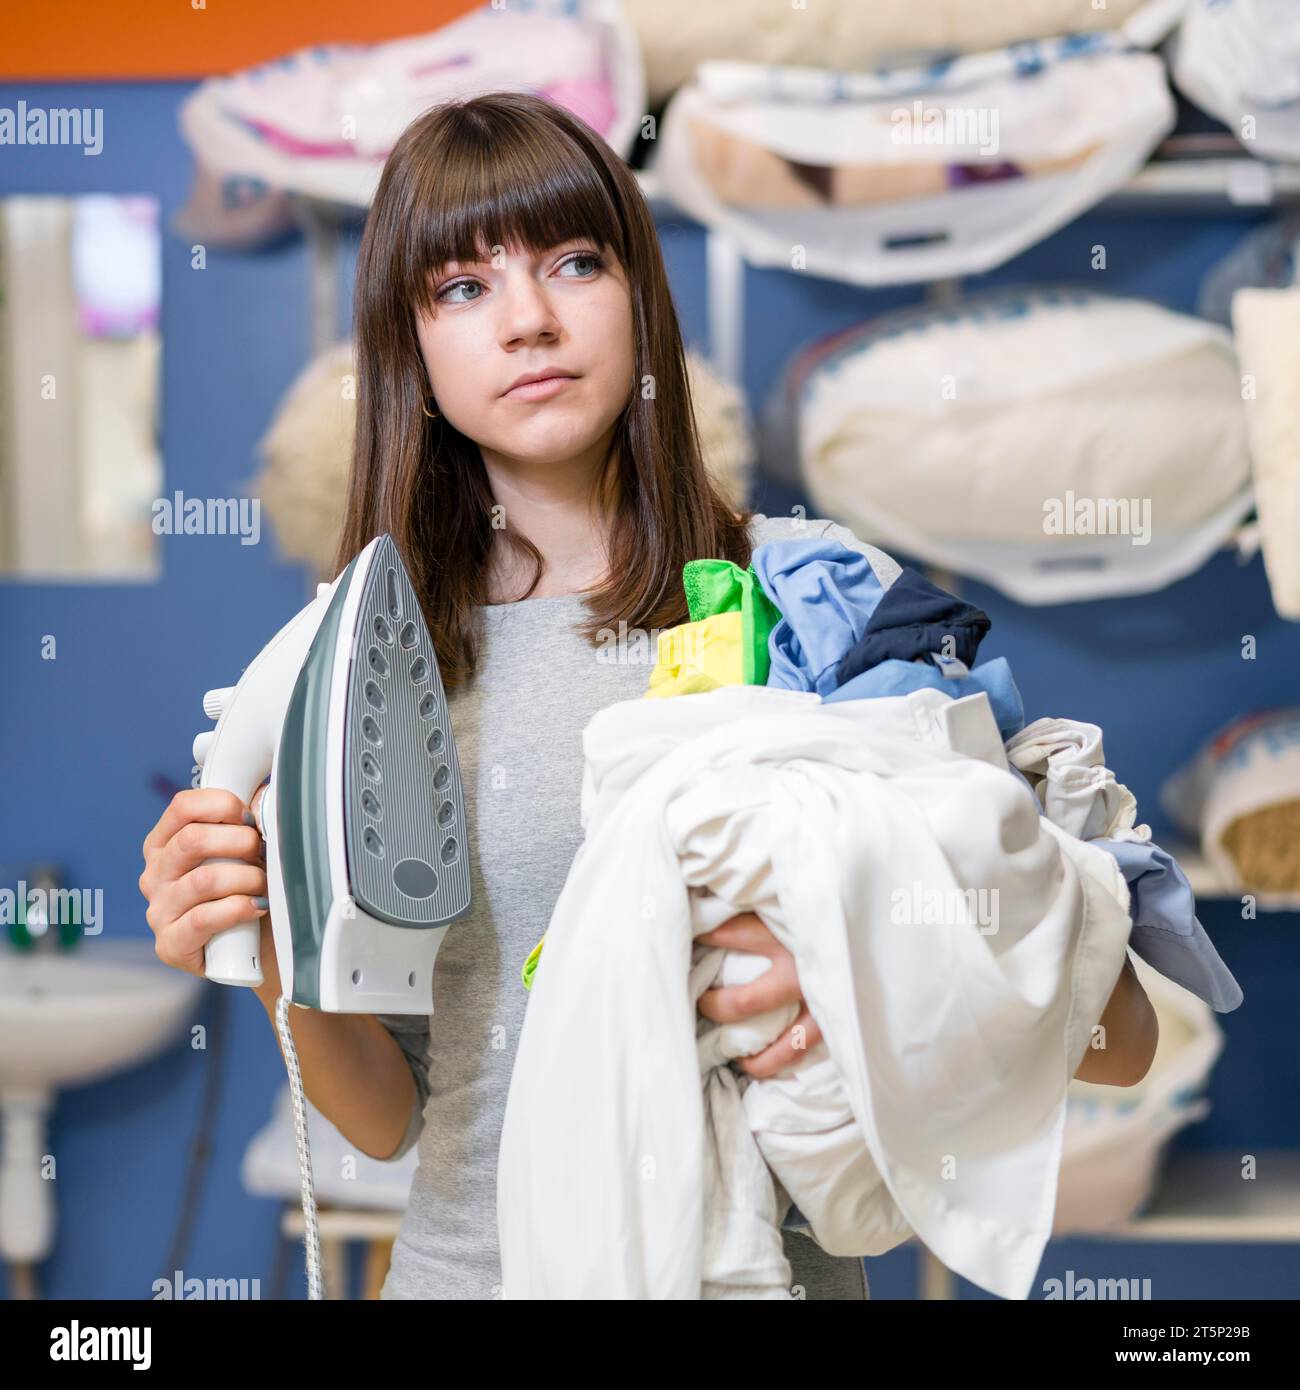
(364, 816)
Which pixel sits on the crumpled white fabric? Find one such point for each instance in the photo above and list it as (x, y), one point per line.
(948, 1047)
(1064, 762)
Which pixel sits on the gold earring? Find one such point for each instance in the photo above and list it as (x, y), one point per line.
(432, 414)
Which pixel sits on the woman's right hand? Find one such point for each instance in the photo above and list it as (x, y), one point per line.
(190, 901)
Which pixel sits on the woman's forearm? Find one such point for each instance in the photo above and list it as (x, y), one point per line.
(1129, 1033)
(353, 1072)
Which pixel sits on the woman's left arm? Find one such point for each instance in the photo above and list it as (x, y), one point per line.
(1128, 1035)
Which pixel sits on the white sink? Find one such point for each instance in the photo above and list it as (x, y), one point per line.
(70, 1018)
(66, 1019)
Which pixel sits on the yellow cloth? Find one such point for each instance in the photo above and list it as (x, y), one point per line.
(695, 657)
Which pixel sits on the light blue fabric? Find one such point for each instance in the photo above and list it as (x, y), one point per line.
(896, 677)
(827, 594)
(1166, 933)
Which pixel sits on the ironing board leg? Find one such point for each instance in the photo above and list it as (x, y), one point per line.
(379, 1254)
(936, 1278)
(334, 1266)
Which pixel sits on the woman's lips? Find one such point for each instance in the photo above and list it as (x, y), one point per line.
(540, 390)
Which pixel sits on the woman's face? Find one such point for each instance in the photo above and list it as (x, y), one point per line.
(566, 309)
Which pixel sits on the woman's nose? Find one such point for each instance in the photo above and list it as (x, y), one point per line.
(526, 309)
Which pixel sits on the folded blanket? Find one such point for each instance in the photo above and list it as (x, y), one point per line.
(955, 947)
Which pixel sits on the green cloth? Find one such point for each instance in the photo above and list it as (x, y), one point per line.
(530, 965)
(719, 586)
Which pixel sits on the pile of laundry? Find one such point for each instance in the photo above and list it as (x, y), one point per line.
(958, 891)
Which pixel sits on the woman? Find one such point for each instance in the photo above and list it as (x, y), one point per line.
(539, 520)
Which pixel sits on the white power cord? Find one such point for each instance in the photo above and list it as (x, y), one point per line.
(311, 1232)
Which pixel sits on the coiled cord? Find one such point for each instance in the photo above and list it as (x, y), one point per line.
(311, 1231)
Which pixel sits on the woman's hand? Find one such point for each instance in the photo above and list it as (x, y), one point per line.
(1129, 1019)
(779, 984)
(190, 901)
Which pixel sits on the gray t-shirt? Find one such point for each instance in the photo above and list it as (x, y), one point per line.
(518, 727)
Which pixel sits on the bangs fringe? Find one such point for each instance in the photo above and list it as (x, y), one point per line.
(498, 185)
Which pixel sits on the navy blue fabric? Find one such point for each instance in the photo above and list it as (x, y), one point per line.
(912, 619)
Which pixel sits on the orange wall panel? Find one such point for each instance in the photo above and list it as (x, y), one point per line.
(160, 40)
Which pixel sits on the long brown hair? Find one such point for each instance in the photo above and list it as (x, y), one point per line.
(510, 168)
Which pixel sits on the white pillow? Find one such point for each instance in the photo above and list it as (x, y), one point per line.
(1056, 443)
(677, 35)
(1241, 63)
(1002, 148)
(1267, 328)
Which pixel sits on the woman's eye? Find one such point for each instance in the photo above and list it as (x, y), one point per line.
(458, 285)
(585, 256)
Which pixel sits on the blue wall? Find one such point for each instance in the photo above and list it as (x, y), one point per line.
(84, 739)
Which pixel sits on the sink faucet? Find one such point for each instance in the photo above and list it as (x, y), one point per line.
(31, 928)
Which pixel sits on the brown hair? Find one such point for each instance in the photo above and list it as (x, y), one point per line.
(509, 168)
